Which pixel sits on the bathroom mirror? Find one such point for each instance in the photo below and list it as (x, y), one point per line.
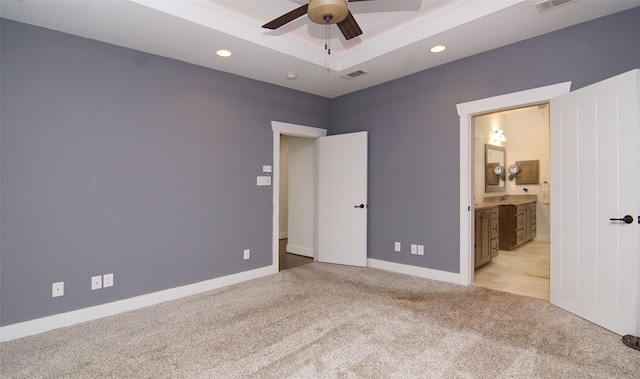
(494, 158)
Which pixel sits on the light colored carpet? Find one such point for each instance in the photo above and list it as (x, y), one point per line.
(328, 321)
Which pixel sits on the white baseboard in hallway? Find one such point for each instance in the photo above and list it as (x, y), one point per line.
(300, 250)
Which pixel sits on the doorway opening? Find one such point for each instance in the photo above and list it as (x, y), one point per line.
(295, 246)
(517, 136)
(285, 129)
(339, 215)
(467, 111)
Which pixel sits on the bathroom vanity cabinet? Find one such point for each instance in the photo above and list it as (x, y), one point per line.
(517, 224)
(486, 235)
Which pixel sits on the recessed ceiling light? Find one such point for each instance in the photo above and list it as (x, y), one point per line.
(438, 49)
(291, 76)
(223, 53)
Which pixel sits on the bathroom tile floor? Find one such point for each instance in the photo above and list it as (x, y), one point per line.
(522, 271)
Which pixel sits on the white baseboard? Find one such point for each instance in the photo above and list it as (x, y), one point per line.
(420, 272)
(300, 250)
(44, 324)
(543, 237)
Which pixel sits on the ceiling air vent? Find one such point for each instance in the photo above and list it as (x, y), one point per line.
(548, 5)
(352, 75)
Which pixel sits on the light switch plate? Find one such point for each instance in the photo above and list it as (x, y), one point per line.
(397, 247)
(264, 181)
(107, 280)
(420, 249)
(266, 168)
(414, 249)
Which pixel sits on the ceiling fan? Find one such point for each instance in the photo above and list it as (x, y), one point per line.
(323, 12)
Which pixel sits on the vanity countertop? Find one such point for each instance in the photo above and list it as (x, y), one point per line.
(494, 201)
(485, 205)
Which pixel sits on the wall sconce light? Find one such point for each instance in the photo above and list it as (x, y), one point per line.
(498, 136)
(499, 172)
(514, 169)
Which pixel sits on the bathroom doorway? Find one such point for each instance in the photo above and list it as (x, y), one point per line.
(524, 134)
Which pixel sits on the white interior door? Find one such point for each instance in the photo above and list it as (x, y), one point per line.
(594, 177)
(342, 199)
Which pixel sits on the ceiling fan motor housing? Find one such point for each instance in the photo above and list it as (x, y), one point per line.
(328, 11)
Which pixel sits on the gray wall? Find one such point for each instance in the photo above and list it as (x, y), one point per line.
(414, 128)
(113, 160)
(117, 161)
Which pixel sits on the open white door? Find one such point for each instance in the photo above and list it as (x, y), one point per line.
(594, 177)
(342, 199)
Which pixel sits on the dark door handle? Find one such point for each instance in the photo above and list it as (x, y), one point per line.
(359, 206)
(627, 219)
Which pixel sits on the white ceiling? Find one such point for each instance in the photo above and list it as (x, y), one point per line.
(397, 34)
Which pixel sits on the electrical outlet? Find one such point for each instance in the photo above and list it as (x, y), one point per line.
(96, 282)
(397, 247)
(57, 289)
(414, 249)
(420, 249)
(247, 253)
(107, 280)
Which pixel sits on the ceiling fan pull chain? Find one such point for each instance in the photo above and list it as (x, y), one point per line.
(326, 47)
(327, 38)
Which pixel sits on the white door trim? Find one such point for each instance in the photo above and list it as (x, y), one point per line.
(283, 128)
(466, 111)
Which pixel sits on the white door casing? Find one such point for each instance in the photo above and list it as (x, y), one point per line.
(283, 128)
(467, 111)
(594, 171)
(342, 199)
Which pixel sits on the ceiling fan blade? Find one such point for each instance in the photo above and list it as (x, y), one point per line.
(349, 27)
(286, 18)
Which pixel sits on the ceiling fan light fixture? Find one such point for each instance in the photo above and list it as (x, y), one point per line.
(328, 11)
